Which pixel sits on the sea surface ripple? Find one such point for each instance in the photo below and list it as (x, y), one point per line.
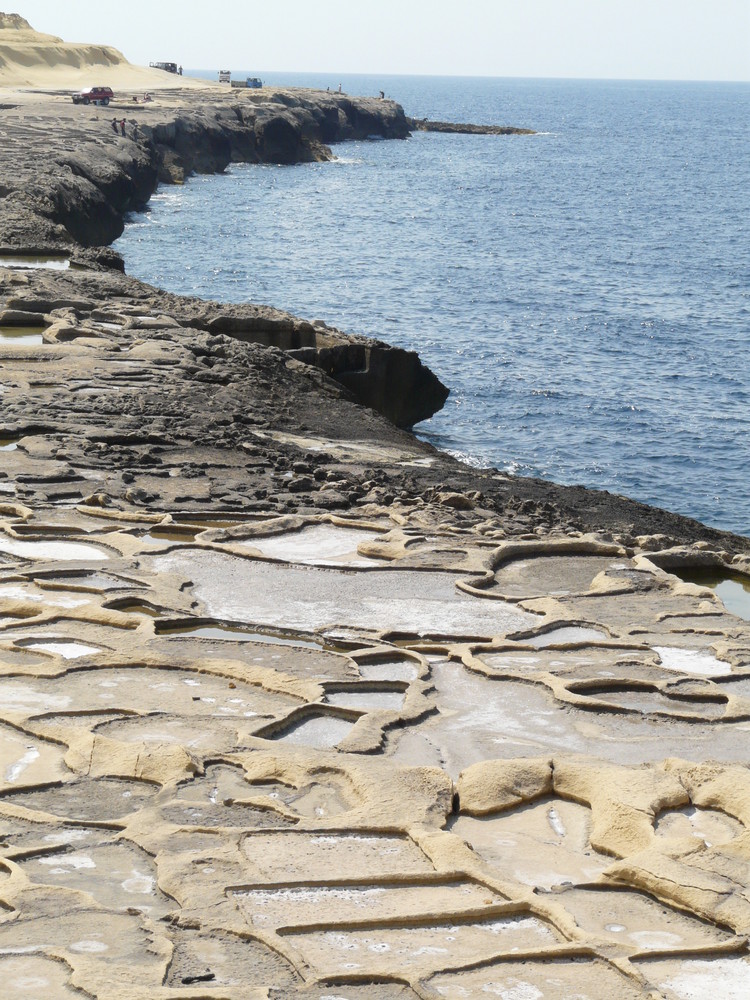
(584, 292)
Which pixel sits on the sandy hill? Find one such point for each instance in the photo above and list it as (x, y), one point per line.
(31, 59)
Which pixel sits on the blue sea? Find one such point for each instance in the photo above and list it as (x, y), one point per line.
(584, 292)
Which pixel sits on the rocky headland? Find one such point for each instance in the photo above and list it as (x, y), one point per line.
(293, 705)
(465, 128)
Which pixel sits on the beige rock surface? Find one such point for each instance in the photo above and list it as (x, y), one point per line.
(229, 810)
(31, 59)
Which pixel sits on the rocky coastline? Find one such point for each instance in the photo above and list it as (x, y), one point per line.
(67, 181)
(293, 705)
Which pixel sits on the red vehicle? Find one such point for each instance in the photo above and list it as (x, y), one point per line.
(94, 95)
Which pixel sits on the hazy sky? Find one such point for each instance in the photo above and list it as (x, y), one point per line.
(639, 39)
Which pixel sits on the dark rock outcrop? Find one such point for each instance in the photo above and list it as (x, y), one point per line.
(69, 191)
(459, 128)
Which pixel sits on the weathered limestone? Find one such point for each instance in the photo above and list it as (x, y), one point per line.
(191, 798)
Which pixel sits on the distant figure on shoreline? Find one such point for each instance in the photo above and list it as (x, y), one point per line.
(382, 95)
(114, 125)
(339, 88)
(122, 126)
(180, 71)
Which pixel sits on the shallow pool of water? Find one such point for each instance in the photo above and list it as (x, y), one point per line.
(30, 262)
(52, 550)
(317, 545)
(565, 636)
(318, 731)
(368, 701)
(21, 336)
(390, 670)
(733, 591)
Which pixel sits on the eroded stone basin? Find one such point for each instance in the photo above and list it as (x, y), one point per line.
(542, 844)
(54, 598)
(34, 976)
(25, 760)
(291, 856)
(233, 633)
(482, 718)
(553, 575)
(52, 550)
(368, 701)
(229, 960)
(415, 950)
(119, 876)
(144, 690)
(734, 591)
(653, 701)
(691, 661)
(99, 800)
(712, 827)
(297, 905)
(582, 979)
(167, 730)
(389, 670)
(310, 599)
(719, 978)
(318, 545)
(566, 635)
(319, 731)
(643, 923)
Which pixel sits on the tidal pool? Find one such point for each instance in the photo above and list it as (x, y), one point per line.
(733, 591)
(21, 336)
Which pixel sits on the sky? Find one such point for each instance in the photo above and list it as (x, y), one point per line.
(606, 39)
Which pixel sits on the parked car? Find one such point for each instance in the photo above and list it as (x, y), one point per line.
(94, 95)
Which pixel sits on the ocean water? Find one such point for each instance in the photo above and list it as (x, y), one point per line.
(584, 292)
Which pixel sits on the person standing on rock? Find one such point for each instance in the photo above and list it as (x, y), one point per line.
(114, 125)
(122, 126)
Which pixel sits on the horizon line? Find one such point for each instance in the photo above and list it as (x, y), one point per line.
(476, 76)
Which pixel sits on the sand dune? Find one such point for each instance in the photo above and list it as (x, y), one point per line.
(30, 59)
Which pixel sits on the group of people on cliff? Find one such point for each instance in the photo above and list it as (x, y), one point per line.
(118, 127)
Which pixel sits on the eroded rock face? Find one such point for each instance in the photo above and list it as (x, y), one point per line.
(66, 177)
